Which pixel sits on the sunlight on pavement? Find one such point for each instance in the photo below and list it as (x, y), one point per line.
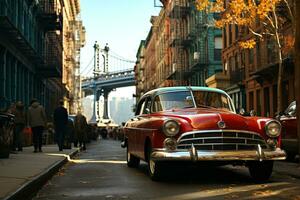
(229, 191)
(98, 161)
(88, 160)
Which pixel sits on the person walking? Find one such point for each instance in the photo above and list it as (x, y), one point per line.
(60, 118)
(37, 121)
(20, 122)
(80, 130)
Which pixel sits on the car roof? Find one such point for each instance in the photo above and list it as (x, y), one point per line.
(183, 88)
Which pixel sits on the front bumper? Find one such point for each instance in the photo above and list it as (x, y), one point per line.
(197, 155)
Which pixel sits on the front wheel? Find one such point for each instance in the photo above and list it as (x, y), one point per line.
(132, 161)
(154, 167)
(260, 171)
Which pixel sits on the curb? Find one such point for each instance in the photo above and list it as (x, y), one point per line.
(29, 188)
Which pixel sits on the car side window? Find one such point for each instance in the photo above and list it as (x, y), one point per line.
(147, 106)
(140, 107)
(157, 104)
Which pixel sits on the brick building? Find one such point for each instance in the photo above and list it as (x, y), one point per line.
(250, 75)
(187, 48)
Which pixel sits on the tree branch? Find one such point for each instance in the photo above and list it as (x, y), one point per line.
(255, 33)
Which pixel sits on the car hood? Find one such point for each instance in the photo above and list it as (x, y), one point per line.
(207, 119)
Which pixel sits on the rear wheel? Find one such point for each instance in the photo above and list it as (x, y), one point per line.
(132, 161)
(260, 171)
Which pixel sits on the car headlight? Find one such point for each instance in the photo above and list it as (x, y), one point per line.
(273, 128)
(171, 128)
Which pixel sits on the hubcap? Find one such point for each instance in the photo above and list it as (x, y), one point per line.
(152, 166)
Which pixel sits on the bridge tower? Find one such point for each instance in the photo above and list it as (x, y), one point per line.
(93, 119)
(96, 91)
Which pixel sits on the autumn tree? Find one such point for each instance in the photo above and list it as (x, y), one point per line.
(265, 19)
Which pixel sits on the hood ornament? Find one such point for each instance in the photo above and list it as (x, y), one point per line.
(221, 124)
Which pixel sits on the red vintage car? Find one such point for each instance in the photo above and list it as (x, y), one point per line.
(194, 124)
(289, 130)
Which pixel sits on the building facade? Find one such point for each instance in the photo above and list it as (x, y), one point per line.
(32, 51)
(73, 40)
(30, 47)
(187, 48)
(139, 69)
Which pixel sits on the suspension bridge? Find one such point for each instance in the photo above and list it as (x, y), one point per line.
(105, 72)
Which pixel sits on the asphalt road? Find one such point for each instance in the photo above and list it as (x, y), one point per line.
(101, 173)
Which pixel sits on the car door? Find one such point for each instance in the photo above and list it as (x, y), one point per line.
(143, 129)
(132, 128)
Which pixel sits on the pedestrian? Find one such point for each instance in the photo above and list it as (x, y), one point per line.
(69, 137)
(60, 118)
(37, 121)
(80, 130)
(20, 122)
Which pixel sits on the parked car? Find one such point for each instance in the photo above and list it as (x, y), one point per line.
(289, 130)
(199, 124)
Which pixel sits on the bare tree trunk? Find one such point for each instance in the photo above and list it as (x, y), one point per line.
(280, 72)
(297, 67)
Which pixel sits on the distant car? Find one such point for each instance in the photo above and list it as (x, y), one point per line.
(199, 124)
(289, 130)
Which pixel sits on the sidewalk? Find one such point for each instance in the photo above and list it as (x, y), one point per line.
(24, 173)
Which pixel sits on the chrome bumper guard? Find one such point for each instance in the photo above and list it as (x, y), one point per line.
(197, 155)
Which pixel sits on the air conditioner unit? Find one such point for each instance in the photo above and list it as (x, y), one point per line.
(196, 55)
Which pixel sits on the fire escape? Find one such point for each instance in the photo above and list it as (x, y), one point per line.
(51, 20)
(179, 41)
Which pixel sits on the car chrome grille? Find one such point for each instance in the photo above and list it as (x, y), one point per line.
(221, 140)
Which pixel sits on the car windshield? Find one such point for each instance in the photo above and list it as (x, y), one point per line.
(173, 100)
(212, 99)
(184, 99)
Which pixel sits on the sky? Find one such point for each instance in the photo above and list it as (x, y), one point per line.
(120, 23)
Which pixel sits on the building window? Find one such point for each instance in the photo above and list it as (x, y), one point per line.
(251, 55)
(267, 102)
(217, 16)
(218, 48)
(230, 34)
(236, 31)
(272, 51)
(224, 38)
(275, 99)
(258, 55)
(258, 103)
(251, 101)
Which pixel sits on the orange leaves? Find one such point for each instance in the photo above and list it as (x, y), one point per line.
(248, 44)
(203, 4)
(240, 12)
